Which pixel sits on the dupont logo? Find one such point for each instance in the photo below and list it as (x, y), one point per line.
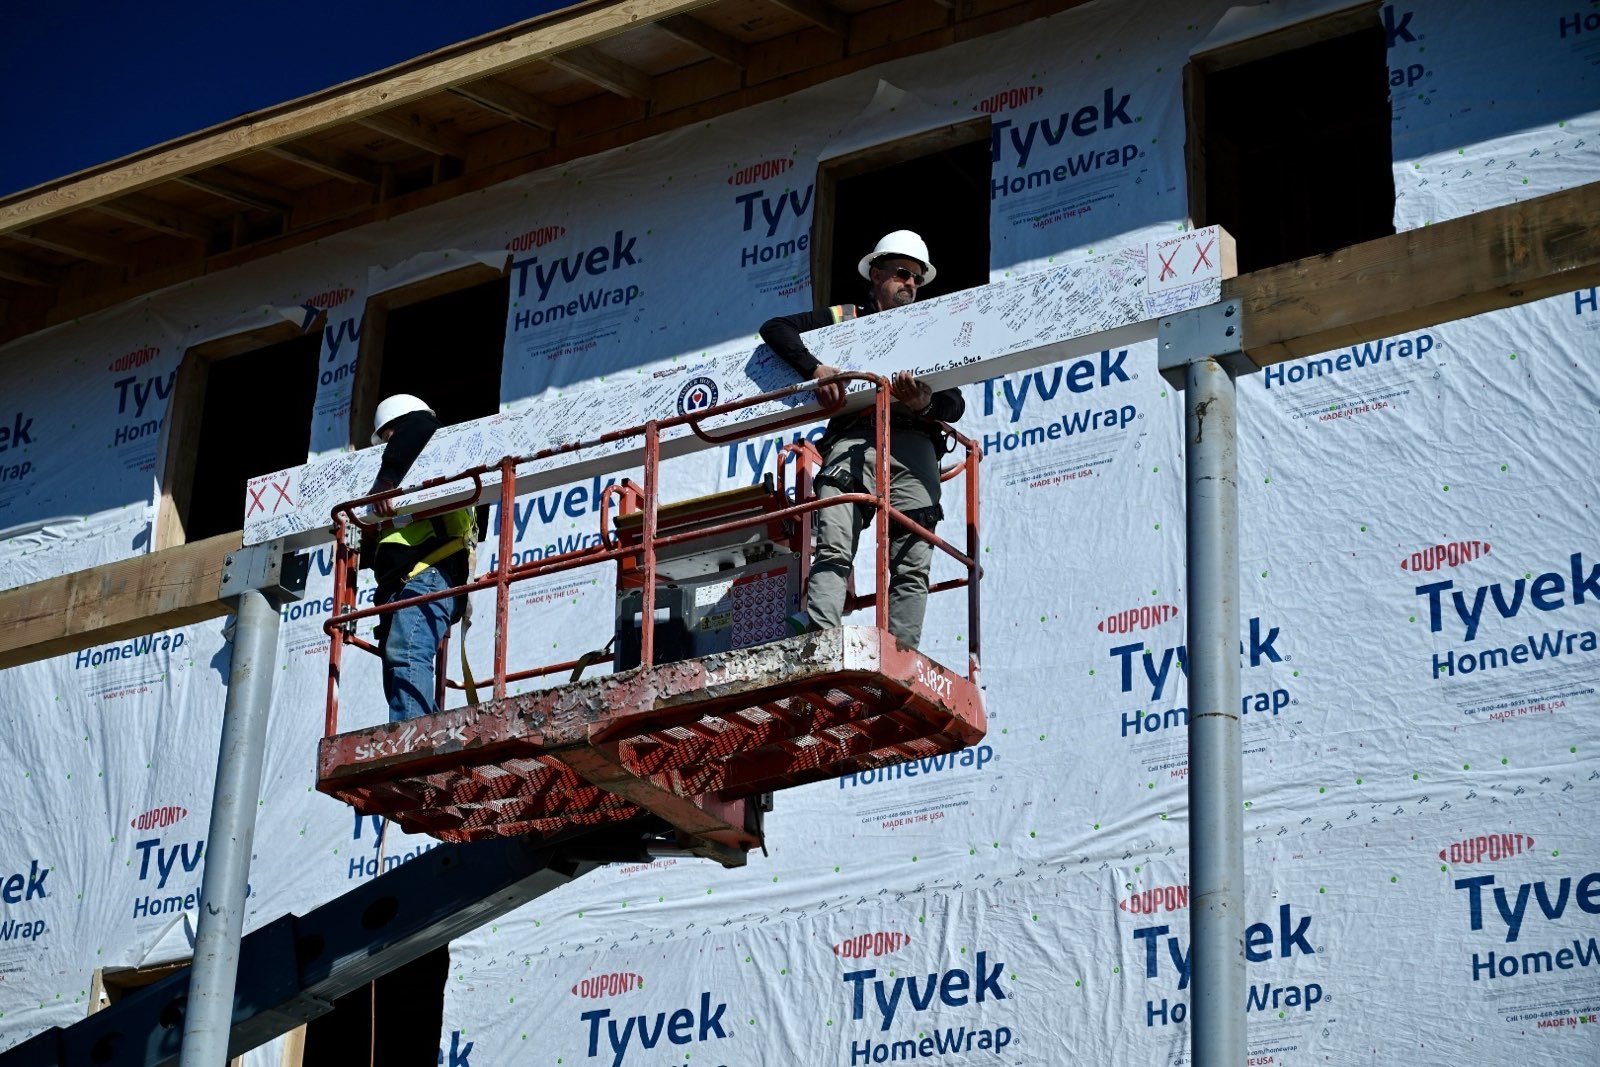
(1447, 554)
(331, 299)
(760, 172)
(874, 944)
(1161, 898)
(1140, 618)
(1012, 98)
(537, 238)
(1486, 847)
(137, 358)
(156, 818)
(608, 985)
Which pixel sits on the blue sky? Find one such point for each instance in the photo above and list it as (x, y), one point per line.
(85, 83)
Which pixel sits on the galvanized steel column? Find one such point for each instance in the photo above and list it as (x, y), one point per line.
(1216, 786)
(254, 578)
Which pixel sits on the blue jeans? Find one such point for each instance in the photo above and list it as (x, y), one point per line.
(411, 644)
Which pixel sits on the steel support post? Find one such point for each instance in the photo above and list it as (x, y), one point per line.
(254, 581)
(1204, 346)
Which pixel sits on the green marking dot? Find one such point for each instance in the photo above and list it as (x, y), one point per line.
(1444, 866)
(1033, 833)
(1447, 488)
(1322, 889)
(972, 852)
(1394, 878)
(1414, 776)
(1096, 826)
(1466, 766)
(1360, 781)
(1152, 785)
(1555, 852)
(1322, 789)
(1504, 761)
(1116, 970)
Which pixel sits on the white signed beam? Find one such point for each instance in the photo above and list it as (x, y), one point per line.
(1034, 320)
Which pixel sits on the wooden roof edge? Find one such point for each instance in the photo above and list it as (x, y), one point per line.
(480, 57)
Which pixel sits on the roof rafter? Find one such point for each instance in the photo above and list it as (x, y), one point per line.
(612, 75)
(29, 272)
(241, 189)
(340, 165)
(713, 43)
(511, 102)
(415, 131)
(155, 215)
(818, 13)
(84, 244)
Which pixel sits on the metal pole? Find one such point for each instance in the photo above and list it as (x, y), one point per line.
(1216, 780)
(208, 1014)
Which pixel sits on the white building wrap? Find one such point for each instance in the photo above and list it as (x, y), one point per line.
(1421, 596)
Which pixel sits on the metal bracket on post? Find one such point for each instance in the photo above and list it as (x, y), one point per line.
(1215, 331)
(265, 567)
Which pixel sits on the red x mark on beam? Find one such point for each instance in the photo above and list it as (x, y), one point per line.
(1201, 259)
(1166, 265)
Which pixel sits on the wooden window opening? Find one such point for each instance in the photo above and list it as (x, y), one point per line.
(1289, 138)
(936, 183)
(241, 406)
(442, 339)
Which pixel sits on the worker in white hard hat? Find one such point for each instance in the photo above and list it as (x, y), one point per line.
(895, 272)
(413, 559)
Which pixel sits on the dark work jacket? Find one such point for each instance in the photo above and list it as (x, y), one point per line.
(391, 562)
(782, 335)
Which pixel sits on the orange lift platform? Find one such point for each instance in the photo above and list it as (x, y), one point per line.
(711, 704)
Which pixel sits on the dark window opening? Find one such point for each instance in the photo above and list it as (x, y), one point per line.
(394, 1020)
(448, 350)
(255, 419)
(1294, 148)
(936, 184)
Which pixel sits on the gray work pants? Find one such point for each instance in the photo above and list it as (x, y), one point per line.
(850, 466)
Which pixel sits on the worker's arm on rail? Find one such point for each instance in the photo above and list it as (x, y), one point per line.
(782, 335)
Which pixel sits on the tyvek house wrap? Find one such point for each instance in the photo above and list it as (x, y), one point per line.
(1418, 646)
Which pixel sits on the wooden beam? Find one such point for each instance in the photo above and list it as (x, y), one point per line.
(483, 57)
(1482, 262)
(241, 189)
(713, 43)
(29, 272)
(154, 215)
(85, 244)
(510, 102)
(610, 74)
(428, 136)
(818, 13)
(341, 165)
(114, 602)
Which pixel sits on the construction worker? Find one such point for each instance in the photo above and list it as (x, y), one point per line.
(412, 559)
(895, 271)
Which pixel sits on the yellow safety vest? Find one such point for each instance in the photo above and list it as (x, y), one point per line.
(442, 536)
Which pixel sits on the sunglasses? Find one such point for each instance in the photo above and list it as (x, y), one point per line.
(906, 274)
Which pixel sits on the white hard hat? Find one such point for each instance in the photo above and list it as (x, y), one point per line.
(899, 243)
(391, 408)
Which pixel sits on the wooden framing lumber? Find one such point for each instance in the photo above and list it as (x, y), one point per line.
(74, 242)
(473, 60)
(612, 75)
(819, 13)
(241, 189)
(29, 272)
(713, 43)
(428, 136)
(1482, 262)
(155, 215)
(115, 602)
(510, 102)
(340, 165)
